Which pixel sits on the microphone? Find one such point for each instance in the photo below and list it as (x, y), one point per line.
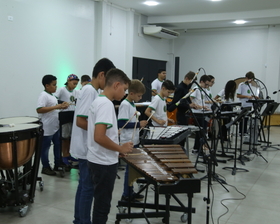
(184, 97)
(276, 91)
(194, 78)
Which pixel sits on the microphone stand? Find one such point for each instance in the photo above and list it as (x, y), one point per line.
(256, 107)
(210, 158)
(215, 109)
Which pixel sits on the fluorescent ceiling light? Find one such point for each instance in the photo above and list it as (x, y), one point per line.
(239, 22)
(151, 3)
(216, 0)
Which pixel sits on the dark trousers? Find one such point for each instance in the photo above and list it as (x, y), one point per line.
(198, 136)
(103, 178)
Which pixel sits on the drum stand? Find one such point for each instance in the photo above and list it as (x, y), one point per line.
(235, 122)
(269, 110)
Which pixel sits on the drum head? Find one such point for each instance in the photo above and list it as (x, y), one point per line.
(18, 120)
(18, 132)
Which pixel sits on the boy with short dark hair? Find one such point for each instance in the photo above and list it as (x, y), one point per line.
(127, 110)
(244, 93)
(78, 146)
(156, 84)
(158, 105)
(85, 79)
(68, 93)
(47, 109)
(103, 143)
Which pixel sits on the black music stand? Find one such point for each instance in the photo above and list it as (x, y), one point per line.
(269, 110)
(257, 105)
(236, 122)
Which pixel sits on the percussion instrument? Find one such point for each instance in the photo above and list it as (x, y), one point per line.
(19, 141)
(166, 135)
(168, 168)
(261, 101)
(24, 138)
(18, 120)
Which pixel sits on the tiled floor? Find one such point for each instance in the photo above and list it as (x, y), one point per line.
(261, 185)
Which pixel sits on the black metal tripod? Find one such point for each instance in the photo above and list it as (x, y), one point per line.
(269, 110)
(253, 141)
(235, 122)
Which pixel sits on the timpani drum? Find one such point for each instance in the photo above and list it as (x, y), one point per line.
(17, 144)
(10, 121)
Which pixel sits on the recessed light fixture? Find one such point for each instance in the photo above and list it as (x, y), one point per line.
(151, 3)
(216, 0)
(240, 22)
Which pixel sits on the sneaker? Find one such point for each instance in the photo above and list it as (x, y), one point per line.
(66, 161)
(124, 198)
(137, 196)
(48, 171)
(73, 161)
(194, 151)
(70, 161)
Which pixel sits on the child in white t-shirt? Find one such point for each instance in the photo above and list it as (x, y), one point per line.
(103, 143)
(156, 84)
(47, 109)
(78, 146)
(69, 94)
(198, 97)
(127, 110)
(158, 105)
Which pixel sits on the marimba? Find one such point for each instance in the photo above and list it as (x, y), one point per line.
(168, 168)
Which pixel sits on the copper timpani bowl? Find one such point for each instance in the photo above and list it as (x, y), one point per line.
(21, 137)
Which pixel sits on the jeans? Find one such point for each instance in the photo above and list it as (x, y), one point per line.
(46, 144)
(127, 190)
(103, 177)
(84, 195)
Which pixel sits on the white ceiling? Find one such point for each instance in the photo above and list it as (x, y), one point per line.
(201, 14)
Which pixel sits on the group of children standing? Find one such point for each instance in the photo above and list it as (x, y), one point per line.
(96, 142)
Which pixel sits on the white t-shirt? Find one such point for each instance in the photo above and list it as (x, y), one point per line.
(209, 93)
(66, 95)
(156, 84)
(158, 104)
(198, 97)
(126, 111)
(244, 89)
(102, 111)
(49, 119)
(222, 95)
(78, 146)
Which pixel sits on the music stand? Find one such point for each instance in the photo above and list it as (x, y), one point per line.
(269, 110)
(235, 122)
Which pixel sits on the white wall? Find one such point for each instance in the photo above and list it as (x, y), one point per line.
(230, 54)
(45, 37)
(69, 36)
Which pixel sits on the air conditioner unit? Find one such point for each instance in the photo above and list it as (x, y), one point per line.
(160, 32)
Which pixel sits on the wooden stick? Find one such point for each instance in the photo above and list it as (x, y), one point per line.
(152, 113)
(127, 122)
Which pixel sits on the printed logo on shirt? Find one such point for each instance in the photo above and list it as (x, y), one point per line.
(72, 98)
(248, 91)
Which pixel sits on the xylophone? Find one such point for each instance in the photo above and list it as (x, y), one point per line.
(166, 135)
(168, 168)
